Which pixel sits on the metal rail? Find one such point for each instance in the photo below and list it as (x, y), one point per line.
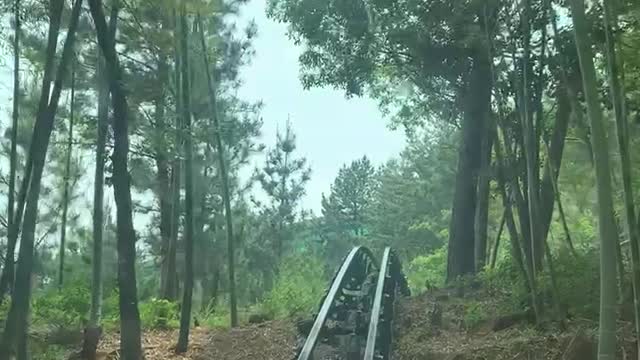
(391, 281)
(351, 301)
(356, 257)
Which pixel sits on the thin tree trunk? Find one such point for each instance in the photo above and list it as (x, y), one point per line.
(14, 139)
(606, 225)
(517, 245)
(162, 163)
(8, 272)
(67, 174)
(163, 191)
(482, 206)
(16, 324)
(93, 332)
(554, 284)
(553, 178)
(171, 285)
(622, 129)
(530, 151)
(10, 254)
(619, 258)
(494, 254)
(130, 332)
(224, 180)
(185, 315)
(548, 186)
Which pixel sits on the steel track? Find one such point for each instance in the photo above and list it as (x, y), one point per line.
(356, 313)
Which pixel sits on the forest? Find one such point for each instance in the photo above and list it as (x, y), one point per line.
(136, 224)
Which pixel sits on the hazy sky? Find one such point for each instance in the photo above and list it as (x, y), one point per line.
(331, 130)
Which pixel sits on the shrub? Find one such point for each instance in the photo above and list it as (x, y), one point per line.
(111, 310)
(159, 314)
(474, 313)
(67, 307)
(428, 271)
(300, 284)
(578, 282)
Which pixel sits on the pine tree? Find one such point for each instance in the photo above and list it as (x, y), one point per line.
(130, 328)
(283, 179)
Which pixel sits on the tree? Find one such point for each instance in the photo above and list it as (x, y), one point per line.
(606, 223)
(447, 72)
(128, 302)
(185, 315)
(345, 210)
(94, 329)
(350, 197)
(224, 179)
(66, 180)
(622, 129)
(410, 209)
(6, 279)
(283, 179)
(16, 325)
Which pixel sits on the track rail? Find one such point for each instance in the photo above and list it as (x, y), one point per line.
(355, 315)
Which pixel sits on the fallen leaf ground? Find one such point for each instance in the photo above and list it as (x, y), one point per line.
(272, 340)
(416, 338)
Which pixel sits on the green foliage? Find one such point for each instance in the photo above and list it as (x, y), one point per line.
(215, 317)
(298, 287)
(159, 314)
(410, 209)
(67, 307)
(577, 279)
(345, 210)
(4, 310)
(474, 313)
(578, 282)
(425, 272)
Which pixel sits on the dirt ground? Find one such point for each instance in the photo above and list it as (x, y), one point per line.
(427, 327)
(272, 340)
(424, 333)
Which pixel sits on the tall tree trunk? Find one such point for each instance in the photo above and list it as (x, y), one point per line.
(9, 258)
(460, 258)
(16, 324)
(516, 244)
(170, 291)
(554, 284)
(606, 224)
(162, 175)
(67, 174)
(93, 331)
(554, 155)
(224, 177)
(482, 206)
(558, 198)
(530, 152)
(8, 271)
(622, 129)
(130, 333)
(185, 315)
(496, 246)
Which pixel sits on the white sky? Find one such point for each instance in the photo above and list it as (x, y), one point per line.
(331, 130)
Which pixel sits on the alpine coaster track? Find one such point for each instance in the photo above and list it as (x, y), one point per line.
(354, 321)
